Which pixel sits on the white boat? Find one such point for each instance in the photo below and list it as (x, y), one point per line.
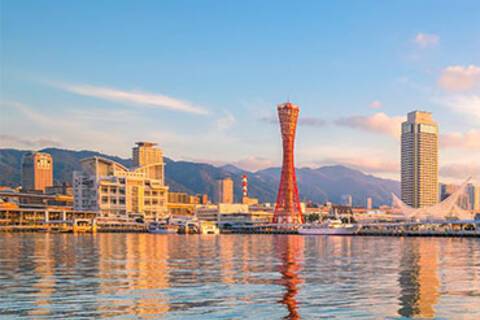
(161, 228)
(207, 227)
(330, 227)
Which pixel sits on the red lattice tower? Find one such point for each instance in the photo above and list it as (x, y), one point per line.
(287, 207)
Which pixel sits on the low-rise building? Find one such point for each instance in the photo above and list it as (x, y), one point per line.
(182, 204)
(234, 213)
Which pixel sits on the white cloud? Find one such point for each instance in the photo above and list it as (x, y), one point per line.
(62, 131)
(377, 123)
(469, 140)
(425, 40)
(10, 141)
(132, 97)
(253, 163)
(376, 104)
(468, 105)
(459, 78)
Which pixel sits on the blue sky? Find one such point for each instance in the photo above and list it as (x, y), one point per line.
(202, 78)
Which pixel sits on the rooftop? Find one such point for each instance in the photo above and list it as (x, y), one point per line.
(145, 144)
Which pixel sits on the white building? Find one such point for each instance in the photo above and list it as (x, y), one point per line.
(115, 191)
(232, 213)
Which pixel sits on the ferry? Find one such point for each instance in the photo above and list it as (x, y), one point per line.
(330, 227)
(161, 228)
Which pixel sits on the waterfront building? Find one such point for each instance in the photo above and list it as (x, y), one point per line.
(320, 212)
(419, 160)
(474, 196)
(249, 201)
(225, 190)
(349, 200)
(287, 206)
(369, 203)
(203, 198)
(61, 189)
(447, 190)
(115, 191)
(39, 217)
(224, 213)
(182, 204)
(37, 171)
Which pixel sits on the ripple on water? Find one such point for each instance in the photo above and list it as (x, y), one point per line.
(238, 276)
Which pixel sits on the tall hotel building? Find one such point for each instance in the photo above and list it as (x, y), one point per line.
(113, 190)
(225, 190)
(419, 156)
(37, 171)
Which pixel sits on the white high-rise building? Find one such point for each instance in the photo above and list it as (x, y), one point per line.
(419, 157)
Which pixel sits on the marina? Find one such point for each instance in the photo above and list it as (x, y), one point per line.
(64, 221)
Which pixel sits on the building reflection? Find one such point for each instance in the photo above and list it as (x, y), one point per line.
(133, 265)
(44, 269)
(226, 258)
(418, 279)
(290, 250)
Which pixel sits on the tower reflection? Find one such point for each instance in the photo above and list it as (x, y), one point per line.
(418, 278)
(290, 251)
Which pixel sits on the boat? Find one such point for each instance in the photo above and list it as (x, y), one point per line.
(189, 227)
(330, 227)
(84, 225)
(207, 227)
(161, 228)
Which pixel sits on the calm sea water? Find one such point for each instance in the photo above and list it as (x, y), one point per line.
(127, 276)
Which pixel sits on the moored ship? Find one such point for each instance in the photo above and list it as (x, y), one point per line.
(162, 228)
(330, 227)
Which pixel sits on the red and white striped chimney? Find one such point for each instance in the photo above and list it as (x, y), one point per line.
(244, 186)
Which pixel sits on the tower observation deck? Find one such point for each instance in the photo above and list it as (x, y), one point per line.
(287, 206)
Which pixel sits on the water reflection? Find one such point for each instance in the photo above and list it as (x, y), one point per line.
(290, 250)
(418, 278)
(137, 267)
(236, 276)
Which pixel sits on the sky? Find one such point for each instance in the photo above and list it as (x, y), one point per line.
(203, 78)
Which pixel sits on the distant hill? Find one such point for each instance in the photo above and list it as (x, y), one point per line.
(334, 183)
(331, 183)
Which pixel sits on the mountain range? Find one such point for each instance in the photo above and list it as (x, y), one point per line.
(329, 183)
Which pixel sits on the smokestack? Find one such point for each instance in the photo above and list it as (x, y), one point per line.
(244, 186)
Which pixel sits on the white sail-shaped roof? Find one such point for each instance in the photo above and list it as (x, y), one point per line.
(446, 208)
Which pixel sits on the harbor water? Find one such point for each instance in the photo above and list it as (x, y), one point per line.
(129, 276)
